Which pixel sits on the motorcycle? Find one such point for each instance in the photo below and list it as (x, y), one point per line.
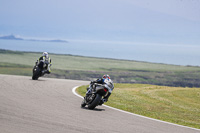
(95, 93)
(38, 69)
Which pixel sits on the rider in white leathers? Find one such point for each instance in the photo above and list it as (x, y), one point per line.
(104, 80)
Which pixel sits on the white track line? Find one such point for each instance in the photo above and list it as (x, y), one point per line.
(74, 91)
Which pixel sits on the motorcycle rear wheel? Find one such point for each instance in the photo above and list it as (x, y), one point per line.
(95, 102)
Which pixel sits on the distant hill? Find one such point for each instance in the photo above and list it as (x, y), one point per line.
(10, 37)
(13, 37)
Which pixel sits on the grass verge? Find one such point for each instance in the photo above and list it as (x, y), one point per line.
(173, 104)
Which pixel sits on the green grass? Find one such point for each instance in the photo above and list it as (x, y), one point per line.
(16, 69)
(69, 62)
(88, 68)
(173, 104)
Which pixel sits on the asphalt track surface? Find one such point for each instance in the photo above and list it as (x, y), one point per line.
(49, 106)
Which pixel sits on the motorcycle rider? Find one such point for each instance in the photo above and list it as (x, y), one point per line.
(103, 80)
(45, 59)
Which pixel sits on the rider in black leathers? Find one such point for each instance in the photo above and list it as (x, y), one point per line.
(45, 58)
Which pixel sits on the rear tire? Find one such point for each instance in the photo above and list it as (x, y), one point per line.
(95, 102)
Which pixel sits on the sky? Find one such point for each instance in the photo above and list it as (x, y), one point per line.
(145, 21)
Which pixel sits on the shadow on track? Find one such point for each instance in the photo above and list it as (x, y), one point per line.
(38, 80)
(95, 109)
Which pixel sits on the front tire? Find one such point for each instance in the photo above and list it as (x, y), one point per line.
(95, 102)
(36, 74)
(83, 104)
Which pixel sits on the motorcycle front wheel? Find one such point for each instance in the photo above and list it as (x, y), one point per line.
(83, 104)
(36, 74)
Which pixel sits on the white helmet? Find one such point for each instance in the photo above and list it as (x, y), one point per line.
(106, 76)
(45, 54)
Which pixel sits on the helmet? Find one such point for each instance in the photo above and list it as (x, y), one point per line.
(106, 76)
(45, 54)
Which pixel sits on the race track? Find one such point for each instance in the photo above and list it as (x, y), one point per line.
(49, 106)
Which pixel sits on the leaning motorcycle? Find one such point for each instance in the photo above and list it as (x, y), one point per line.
(95, 94)
(38, 68)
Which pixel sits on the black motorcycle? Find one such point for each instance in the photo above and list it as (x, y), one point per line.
(38, 69)
(95, 93)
